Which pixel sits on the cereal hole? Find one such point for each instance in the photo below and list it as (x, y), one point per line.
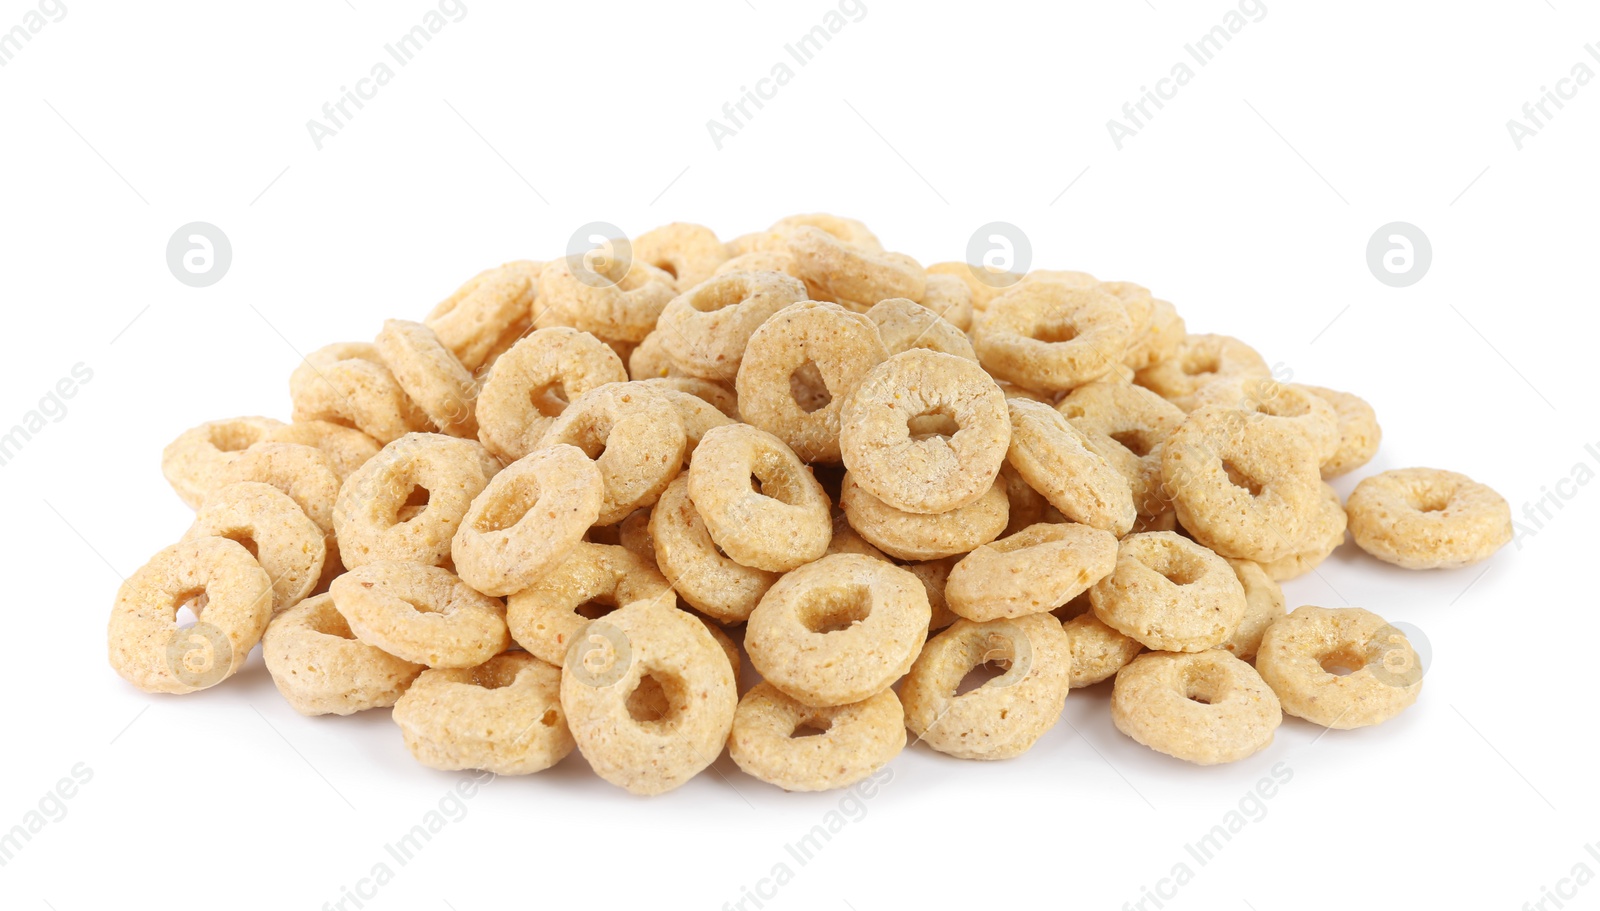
(981, 674)
(938, 421)
(1342, 662)
(1201, 364)
(1054, 332)
(1204, 684)
(549, 399)
(808, 388)
(1135, 441)
(658, 699)
(234, 437)
(243, 538)
(332, 623)
(493, 675)
(595, 608)
(1239, 478)
(811, 727)
(716, 296)
(421, 607)
(190, 605)
(833, 610)
(521, 494)
(1182, 571)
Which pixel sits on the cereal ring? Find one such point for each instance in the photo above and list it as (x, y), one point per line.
(905, 324)
(758, 501)
(838, 630)
(1054, 458)
(1263, 606)
(302, 472)
(1138, 303)
(423, 614)
(193, 461)
(349, 384)
(649, 696)
(696, 419)
(915, 536)
(705, 329)
(1126, 425)
(1266, 399)
(1051, 336)
(1326, 529)
(798, 369)
(503, 716)
(1199, 361)
(1005, 716)
(621, 301)
(273, 528)
(847, 272)
(430, 374)
(532, 384)
(982, 288)
(761, 261)
(1427, 518)
(801, 748)
(346, 447)
(1206, 708)
(405, 505)
(689, 559)
(633, 434)
(1098, 651)
(321, 668)
(950, 298)
(528, 518)
(934, 574)
(847, 540)
(593, 580)
(687, 252)
(231, 594)
(1033, 571)
(1069, 278)
(1160, 340)
(1170, 593)
(936, 473)
(1359, 433)
(1300, 652)
(1243, 488)
(649, 360)
(845, 230)
(493, 304)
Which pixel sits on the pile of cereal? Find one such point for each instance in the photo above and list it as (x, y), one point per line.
(562, 509)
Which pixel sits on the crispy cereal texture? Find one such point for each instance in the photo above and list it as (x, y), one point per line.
(801, 748)
(1426, 518)
(1206, 708)
(1300, 653)
(503, 716)
(321, 668)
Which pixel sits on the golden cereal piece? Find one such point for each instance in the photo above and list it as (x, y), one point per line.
(423, 614)
(1170, 593)
(1428, 518)
(933, 575)
(1300, 653)
(1199, 361)
(593, 580)
(757, 499)
(493, 305)
(1266, 399)
(704, 330)
(1325, 530)
(321, 668)
(689, 253)
(193, 462)
(849, 273)
(905, 324)
(406, 504)
(1126, 425)
(635, 437)
(350, 384)
(1033, 571)
(503, 716)
(528, 518)
(1051, 336)
(707, 579)
(346, 447)
(274, 529)
(1098, 651)
(917, 536)
(1054, 458)
(1263, 606)
(1359, 433)
(1206, 708)
(620, 302)
(801, 748)
(532, 384)
(431, 375)
(950, 298)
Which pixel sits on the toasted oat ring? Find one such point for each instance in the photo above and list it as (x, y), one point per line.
(1359, 433)
(905, 324)
(1126, 425)
(934, 574)
(302, 472)
(1098, 651)
(915, 536)
(1052, 336)
(1206, 708)
(705, 329)
(689, 253)
(649, 361)
(1027, 506)
(423, 614)
(624, 304)
(847, 540)
(405, 505)
(503, 716)
(815, 351)
(233, 595)
(761, 261)
(346, 447)
(321, 668)
(1263, 606)
(982, 289)
(1008, 714)
(848, 272)
(696, 419)
(1033, 571)
(1139, 305)
(492, 305)
(431, 375)
(349, 384)
(845, 230)
(1170, 593)
(1427, 518)
(635, 437)
(1199, 361)
(531, 385)
(846, 744)
(1160, 340)
(838, 630)
(276, 531)
(1325, 531)
(784, 523)
(591, 581)
(1266, 399)
(950, 298)
(1243, 488)
(934, 472)
(649, 696)
(1385, 672)
(528, 518)
(1055, 459)
(193, 462)
(684, 551)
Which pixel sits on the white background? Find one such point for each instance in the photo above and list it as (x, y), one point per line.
(1248, 201)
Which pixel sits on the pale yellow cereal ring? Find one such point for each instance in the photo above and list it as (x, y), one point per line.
(689, 253)
(1055, 459)
(1359, 433)
(302, 472)
(1098, 651)
(1005, 716)
(1206, 708)
(321, 668)
(933, 575)
(532, 384)
(917, 536)
(193, 462)
(377, 515)
(430, 374)
(649, 360)
(1300, 653)
(1126, 425)
(847, 540)
(845, 230)
(1170, 593)
(1325, 529)
(950, 298)
(1427, 518)
(696, 418)
(495, 303)
(1160, 340)
(273, 528)
(349, 384)
(905, 324)
(781, 524)
(849, 273)
(527, 520)
(705, 330)
(232, 595)
(1140, 306)
(801, 748)
(635, 437)
(503, 716)
(687, 556)
(1266, 399)
(1199, 361)
(649, 696)
(1027, 506)
(1070, 278)
(982, 288)
(1051, 336)
(346, 447)
(761, 261)
(798, 369)
(592, 581)
(622, 302)
(423, 614)
(1033, 571)
(1263, 606)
